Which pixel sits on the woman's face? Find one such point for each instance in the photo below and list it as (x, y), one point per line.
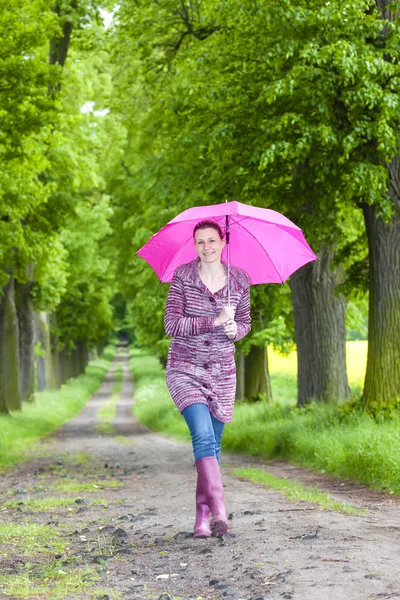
(208, 245)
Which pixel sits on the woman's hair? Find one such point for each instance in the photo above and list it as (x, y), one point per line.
(208, 224)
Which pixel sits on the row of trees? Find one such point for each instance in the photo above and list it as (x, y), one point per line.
(294, 106)
(56, 275)
(106, 134)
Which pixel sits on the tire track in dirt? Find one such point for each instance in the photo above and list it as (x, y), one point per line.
(139, 541)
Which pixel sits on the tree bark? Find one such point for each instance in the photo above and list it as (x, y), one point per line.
(320, 329)
(382, 380)
(75, 363)
(59, 46)
(26, 326)
(62, 363)
(240, 376)
(44, 363)
(94, 356)
(82, 356)
(55, 353)
(68, 365)
(3, 396)
(56, 368)
(257, 381)
(10, 398)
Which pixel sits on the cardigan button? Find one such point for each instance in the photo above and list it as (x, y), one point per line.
(207, 343)
(206, 366)
(212, 299)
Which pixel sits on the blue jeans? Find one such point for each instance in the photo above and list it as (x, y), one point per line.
(206, 431)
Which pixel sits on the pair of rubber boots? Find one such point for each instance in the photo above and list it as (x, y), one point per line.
(209, 499)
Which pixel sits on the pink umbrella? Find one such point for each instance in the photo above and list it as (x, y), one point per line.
(260, 241)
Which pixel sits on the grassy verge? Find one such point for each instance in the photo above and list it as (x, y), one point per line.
(295, 491)
(72, 486)
(153, 405)
(344, 443)
(20, 430)
(30, 538)
(47, 504)
(38, 581)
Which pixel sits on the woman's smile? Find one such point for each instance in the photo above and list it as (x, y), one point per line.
(208, 244)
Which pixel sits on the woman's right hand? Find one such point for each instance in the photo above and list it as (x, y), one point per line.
(227, 313)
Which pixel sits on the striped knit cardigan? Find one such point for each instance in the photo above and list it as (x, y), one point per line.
(201, 365)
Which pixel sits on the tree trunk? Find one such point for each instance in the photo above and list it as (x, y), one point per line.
(55, 353)
(44, 362)
(94, 356)
(3, 351)
(75, 362)
(62, 363)
(319, 318)
(10, 398)
(59, 46)
(240, 376)
(382, 380)
(82, 356)
(257, 381)
(56, 368)
(26, 325)
(68, 365)
(386, 12)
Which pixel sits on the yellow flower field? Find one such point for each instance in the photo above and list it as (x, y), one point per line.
(356, 363)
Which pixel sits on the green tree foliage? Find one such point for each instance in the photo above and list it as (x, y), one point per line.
(84, 313)
(53, 139)
(294, 105)
(26, 113)
(291, 105)
(79, 207)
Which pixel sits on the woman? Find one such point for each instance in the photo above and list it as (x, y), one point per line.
(201, 371)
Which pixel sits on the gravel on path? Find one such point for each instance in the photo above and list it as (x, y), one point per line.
(137, 536)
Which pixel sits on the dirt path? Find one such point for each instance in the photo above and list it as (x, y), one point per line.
(135, 540)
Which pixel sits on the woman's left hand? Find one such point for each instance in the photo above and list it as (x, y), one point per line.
(230, 329)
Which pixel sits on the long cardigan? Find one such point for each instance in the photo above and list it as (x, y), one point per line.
(201, 365)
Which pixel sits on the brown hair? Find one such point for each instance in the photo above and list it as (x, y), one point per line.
(208, 224)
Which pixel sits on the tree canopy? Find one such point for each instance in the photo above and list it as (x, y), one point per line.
(108, 132)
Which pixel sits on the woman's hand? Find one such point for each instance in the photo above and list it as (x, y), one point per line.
(230, 329)
(226, 314)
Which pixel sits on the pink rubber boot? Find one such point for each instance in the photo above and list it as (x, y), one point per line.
(210, 479)
(202, 524)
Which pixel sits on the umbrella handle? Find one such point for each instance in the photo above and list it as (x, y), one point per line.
(227, 236)
(229, 287)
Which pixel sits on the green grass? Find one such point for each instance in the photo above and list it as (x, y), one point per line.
(72, 486)
(20, 430)
(323, 438)
(54, 582)
(295, 491)
(48, 503)
(153, 405)
(107, 413)
(30, 538)
(345, 443)
(121, 439)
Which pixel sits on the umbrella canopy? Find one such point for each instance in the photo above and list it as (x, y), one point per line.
(262, 242)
